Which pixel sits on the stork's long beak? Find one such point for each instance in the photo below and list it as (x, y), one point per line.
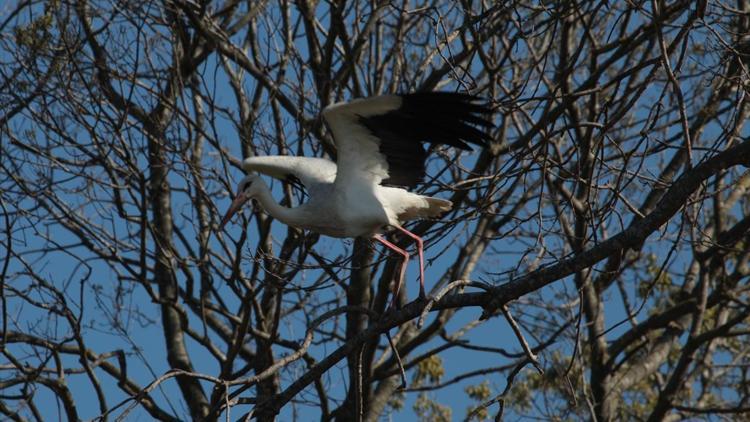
(239, 200)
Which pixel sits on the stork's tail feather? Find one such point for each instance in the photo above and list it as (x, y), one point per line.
(437, 206)
(426, 207)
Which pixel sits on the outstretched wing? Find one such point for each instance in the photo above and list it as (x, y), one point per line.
(380, 139)
(309, 171)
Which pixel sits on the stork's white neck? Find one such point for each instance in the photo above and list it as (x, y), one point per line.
(289, 216)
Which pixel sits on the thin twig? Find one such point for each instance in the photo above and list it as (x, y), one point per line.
(453, 285)
(517, 330)
(500, 398)
(398, 359)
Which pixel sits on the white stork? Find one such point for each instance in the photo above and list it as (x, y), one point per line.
(379, 142)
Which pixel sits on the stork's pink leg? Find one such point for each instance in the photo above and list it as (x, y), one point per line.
(420, 251)
(401, 273)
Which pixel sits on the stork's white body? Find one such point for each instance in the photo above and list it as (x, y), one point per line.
(361, 211)
(378, 140)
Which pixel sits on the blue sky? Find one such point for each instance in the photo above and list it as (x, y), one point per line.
(117, 314)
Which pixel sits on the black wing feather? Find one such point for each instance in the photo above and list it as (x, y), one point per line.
(434, 117)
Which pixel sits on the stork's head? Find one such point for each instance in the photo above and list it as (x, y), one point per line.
(247, 189)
